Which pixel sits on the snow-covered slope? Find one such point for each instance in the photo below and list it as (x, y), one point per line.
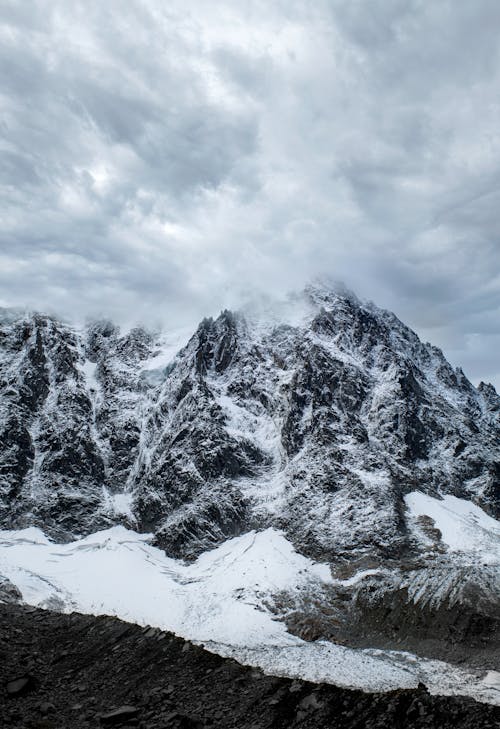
(462, 526)
(219, 600)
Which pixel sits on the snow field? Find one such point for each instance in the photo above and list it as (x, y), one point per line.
(219, 601)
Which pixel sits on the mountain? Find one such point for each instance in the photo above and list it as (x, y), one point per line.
(324, 418)
(319, 421)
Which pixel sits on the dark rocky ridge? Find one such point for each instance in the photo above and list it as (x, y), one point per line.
(78, 672)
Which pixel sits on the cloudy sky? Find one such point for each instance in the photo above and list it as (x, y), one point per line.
(160, 158)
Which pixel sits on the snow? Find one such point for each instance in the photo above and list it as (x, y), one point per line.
(350, 581)
(117, 572)
(465, 527)
(30, 535)
(267, 491)
(89, 371)
(119, 504)
(219, 600)
(168, 346)
(492, 678)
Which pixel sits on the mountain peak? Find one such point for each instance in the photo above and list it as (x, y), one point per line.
(318, 416)
(324, 291)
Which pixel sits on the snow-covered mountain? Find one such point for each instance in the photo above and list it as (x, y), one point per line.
(323, 418)
(318, 419)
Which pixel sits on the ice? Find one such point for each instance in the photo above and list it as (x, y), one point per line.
(369, 670)
(217, 598)
(219, 601)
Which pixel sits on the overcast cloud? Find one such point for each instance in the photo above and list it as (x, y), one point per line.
(159, 158)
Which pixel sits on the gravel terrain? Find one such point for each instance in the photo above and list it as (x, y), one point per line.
(69, 671)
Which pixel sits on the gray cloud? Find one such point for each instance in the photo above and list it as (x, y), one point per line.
(159, 159)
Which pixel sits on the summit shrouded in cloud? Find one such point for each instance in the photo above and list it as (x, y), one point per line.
(159, 160)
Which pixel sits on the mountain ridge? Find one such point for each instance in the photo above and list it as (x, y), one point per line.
(82, 411)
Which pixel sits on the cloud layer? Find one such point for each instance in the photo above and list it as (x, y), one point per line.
(158, 159)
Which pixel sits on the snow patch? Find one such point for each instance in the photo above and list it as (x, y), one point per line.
(492, 679)
(118, 504)
(168, 346)
(89, 372)
(465, 527)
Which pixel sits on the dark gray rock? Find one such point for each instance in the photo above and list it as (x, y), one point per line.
(20, 686)
(47, 707)
(8, 592)
(122, 667)
(122, 715)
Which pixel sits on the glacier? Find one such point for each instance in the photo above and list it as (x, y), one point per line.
(218, 601)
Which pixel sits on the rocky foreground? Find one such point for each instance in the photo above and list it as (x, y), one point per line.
(69, 671)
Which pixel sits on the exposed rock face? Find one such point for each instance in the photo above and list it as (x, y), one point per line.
(65, 434)
(9, 593)
(88, 672)
(318, 425)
